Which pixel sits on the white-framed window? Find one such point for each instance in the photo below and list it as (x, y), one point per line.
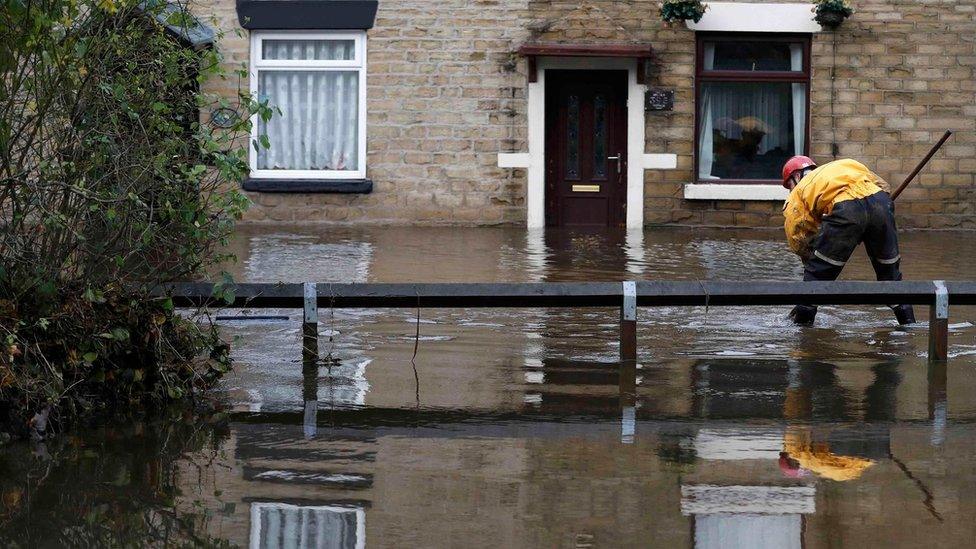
(318, 82)
(753, 105)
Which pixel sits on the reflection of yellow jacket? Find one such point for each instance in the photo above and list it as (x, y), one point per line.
(817, 457)
(818, 192)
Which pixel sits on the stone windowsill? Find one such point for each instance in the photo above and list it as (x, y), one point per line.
(731, 191)
(335, 186)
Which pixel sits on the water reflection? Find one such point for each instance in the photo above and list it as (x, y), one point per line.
(938, 405)
(285, 525)
(114, 486)
(733, 429)
(708, 452)
(748, 516)
(751, 449)
(528, 410)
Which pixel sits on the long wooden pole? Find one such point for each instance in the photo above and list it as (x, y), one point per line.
(921, 165)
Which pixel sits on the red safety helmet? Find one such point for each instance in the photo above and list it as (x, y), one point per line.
(794, 164)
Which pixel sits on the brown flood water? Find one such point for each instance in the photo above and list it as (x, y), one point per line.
(735, 430)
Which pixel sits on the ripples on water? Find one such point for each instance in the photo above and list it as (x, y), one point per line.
(736, 430)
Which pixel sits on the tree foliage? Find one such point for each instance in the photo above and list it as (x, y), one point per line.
(109, 185)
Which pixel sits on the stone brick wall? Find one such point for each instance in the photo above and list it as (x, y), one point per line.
(444, 97)
(446, 94)
(885, 86)
(903, 75)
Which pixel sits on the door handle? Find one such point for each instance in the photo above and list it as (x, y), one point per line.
(618, 158)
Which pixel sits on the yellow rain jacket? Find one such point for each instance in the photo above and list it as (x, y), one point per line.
(816, 456)
(818, 192)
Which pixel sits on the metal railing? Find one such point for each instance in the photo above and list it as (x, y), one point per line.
(627, 296)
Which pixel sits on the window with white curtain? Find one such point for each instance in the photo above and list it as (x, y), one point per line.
(318, 83)
(752, 106)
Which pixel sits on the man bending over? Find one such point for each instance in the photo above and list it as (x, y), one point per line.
(831, 209)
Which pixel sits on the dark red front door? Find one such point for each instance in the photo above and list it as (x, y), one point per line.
(586, 147)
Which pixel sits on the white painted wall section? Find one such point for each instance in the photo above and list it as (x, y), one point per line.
(660, 161)
(744, 17)
(721, 191)
(535, 194)
(514, 160)
(635, 147)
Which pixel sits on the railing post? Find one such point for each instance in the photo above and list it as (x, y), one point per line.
(939, 323)
(310, 323)
(628, 323)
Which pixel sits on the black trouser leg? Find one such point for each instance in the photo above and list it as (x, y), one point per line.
(813, 269)
(803, 315)
(881, 243)
(905, 314)
(840, 232)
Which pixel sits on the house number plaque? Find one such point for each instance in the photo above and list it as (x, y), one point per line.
(657, 99)
(223, 117)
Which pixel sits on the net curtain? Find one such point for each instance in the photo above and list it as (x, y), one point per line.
(317, 128)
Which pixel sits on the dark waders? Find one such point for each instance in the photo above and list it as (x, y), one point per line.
(870, 220)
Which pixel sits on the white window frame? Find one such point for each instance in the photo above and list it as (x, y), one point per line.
(358, 63)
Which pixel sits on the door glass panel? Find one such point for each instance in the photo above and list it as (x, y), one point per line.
(572, 138)
(600, 136)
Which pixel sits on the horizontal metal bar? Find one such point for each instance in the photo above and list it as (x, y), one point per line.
(251, 295)
(792, 293)
(556, 294)
(250, 317)
(572, 294)
(347, 296)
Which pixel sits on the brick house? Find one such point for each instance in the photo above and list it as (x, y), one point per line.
(551, 112)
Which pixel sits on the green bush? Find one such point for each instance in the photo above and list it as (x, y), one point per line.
(109, 185)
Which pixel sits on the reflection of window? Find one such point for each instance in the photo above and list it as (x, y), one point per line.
(284, 525)
(752, 106)
(732, 531)
(732, 517)
(317, 80)
(346, 384)
(297, 258)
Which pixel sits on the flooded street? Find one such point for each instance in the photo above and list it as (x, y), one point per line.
(517, 428)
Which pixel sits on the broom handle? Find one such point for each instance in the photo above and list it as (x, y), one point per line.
(921, 165)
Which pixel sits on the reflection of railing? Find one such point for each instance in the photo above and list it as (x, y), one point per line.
(627, 296)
